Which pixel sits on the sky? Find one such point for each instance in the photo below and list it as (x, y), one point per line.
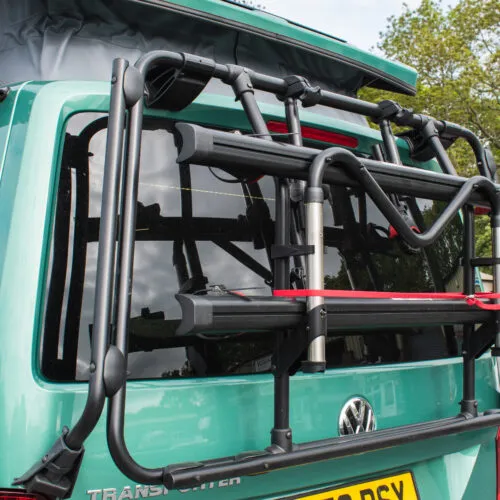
(356, 21)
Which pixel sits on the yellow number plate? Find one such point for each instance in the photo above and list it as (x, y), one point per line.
(400, 487)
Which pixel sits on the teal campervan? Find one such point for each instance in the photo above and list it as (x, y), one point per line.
(223, 275)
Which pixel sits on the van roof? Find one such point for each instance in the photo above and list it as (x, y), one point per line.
(378, 72)
(75, 40)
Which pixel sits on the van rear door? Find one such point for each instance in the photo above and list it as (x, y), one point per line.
(203, 231)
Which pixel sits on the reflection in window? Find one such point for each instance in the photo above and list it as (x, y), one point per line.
(200, 230)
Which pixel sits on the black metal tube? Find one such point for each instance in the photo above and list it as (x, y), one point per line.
(495, 237)
(379, 155)
(281, 432)
(105, 263)
(200, 473)
(297, 187)
(175, 476)
(284, 161)
(119, 230)
(282, 401)
(469, 273)
(282, 279)
(471, 138)
(442, 156)
(356, 168)
(278, 86)
(193, 256)
(346, 103)
(282, 233)
(116, 440)
(293, 121)
(390, 147)
(263, 82)
(431, 235)
(468, 404)
(243, 89)
(419, 121)
(204, 146)
(281, 266)
(254, 115)
(389, 431)
(116, 410)
(317, 170)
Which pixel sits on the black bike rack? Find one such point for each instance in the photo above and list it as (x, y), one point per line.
(299, 173)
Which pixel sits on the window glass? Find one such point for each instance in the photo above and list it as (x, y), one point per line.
(202, 229)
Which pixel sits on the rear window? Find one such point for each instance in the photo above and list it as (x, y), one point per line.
(198, 230)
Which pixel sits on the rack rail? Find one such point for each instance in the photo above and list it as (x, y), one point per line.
(155, 81)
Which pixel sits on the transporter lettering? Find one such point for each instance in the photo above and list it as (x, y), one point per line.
(139, 491)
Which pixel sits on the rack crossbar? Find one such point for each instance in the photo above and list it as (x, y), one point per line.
(192, 474)
(220, 315)
(208, 147)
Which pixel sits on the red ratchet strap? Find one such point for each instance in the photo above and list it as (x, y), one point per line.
(394, 234)
(471, 300)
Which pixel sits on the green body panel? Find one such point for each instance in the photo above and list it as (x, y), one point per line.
(282, 29)
(9, 123)
(184, 420)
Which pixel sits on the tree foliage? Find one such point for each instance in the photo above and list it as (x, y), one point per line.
(456, 52)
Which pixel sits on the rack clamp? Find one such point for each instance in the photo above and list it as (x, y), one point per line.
(175, 88)
(404, 117)
(391, 110)
(56, 473)
(315, 331)
(419, 137)
(286, 359)
(298, 87)
(240, 80)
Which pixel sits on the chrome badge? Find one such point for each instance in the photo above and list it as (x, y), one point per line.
(356, 416)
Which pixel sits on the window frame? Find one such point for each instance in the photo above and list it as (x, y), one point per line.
(148, 118)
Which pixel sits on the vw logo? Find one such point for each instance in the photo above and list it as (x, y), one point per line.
(356, 416)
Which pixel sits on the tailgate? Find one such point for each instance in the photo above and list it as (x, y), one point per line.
(370, 391)
(178, 421)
